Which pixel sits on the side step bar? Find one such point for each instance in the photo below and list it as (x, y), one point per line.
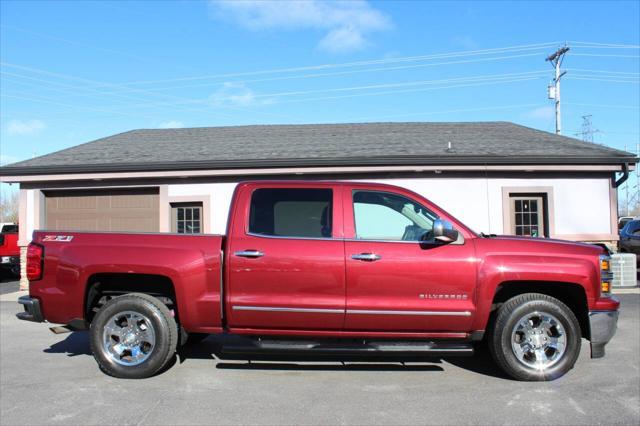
(248, 346)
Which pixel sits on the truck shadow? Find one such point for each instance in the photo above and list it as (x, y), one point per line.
(77, 343)
(210, 348)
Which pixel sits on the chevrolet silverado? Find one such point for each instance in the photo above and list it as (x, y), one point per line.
(332, 268)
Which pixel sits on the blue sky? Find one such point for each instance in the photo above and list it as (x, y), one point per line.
(75, 71)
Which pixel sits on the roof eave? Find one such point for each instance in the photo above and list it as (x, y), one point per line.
(313, 162)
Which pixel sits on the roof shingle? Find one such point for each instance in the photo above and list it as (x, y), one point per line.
(322, 144)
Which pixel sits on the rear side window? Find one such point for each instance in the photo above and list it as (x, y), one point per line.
(285, 212)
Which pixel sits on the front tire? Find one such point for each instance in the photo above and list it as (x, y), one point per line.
(133, 336)
(535, 337)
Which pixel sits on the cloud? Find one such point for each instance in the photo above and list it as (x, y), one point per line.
(27, 127)
(238, 95)
(347, 23)
(171, 124)
(542, 113)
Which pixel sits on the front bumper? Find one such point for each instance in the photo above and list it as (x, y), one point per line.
(603, 325)
(32, 311)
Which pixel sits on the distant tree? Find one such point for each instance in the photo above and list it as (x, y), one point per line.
(9, 205)
(635, 211)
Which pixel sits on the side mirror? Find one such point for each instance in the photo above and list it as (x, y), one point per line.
(443, 231)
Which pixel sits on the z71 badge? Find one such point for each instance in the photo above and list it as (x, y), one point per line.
(58, 238)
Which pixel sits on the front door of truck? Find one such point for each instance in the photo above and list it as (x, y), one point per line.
(395, 282)
(286, 259)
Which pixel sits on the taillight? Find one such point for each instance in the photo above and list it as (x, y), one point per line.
(35, 261)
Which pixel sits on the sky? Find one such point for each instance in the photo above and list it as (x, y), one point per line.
(72, 72)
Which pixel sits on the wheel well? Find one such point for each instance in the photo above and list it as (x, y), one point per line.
(572, 295)
(103, 287)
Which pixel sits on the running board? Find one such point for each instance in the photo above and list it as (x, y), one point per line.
(248, 346)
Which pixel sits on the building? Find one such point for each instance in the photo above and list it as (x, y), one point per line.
(497, 177)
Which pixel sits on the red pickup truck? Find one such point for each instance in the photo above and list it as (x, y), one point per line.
(9, 251)
(326, 268)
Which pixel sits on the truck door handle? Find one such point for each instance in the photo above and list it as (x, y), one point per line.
(366, 257)
(251, 254)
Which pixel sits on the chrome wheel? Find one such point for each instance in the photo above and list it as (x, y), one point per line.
(128, 338)
(538, 340)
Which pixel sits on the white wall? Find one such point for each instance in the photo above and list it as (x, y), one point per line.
(581, 206)
(220, 193)
(27, 215)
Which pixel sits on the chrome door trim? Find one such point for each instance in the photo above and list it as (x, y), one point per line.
(366, 257)
(251, 254)
(432, 313)
(288, 309)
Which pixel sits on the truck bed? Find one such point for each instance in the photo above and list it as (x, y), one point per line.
(73, 259)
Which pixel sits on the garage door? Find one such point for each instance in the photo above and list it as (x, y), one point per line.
(135, 210)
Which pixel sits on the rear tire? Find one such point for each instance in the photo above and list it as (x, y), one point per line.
(133, 336)
(535, 337)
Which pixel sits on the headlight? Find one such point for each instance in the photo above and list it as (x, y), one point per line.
(606, 276)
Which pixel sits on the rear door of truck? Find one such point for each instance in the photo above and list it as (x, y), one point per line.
(285, 257)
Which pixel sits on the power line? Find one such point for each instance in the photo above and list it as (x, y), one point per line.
(81, 79)
(604, 71)
(605, 55)
(413, 90)
(604, 105)
(509, 49)
(340, 73)
(451, 111)
(605, 45)
(576, 77)
(504, 77)
(92, 47)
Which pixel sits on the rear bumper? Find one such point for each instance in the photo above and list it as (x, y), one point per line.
(32, 311)
(603, 325)
(9, 262)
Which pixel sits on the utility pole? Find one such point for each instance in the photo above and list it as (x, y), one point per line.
(555, 59)
(626, 187)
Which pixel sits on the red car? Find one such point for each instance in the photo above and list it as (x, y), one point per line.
(326, 268)
(9, 251)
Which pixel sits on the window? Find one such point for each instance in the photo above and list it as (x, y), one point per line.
(387, 216)
(528, 216)
(186, 218)
(9, 229)
(287, 212)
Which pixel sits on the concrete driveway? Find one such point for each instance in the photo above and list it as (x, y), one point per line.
(52, 379)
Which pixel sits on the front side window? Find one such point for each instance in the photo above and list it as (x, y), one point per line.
(291, 212)
(387, 216)
(186, 218)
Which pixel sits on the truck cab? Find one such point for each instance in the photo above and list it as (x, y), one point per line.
(326, 268)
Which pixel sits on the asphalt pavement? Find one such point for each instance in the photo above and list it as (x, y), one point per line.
(53, 379)
(8, 285)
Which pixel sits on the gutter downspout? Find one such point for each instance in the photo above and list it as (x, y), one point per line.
(623, 178)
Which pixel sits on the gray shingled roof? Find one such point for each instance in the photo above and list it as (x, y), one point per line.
(321, 144)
